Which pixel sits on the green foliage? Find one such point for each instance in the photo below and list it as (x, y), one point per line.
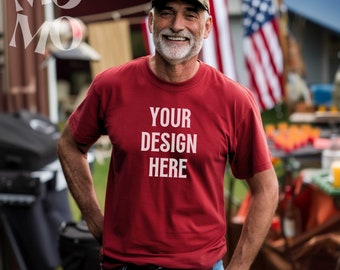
(275, 115)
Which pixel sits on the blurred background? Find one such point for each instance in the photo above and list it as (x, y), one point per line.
(286, 52)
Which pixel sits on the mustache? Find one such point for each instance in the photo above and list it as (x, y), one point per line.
(181, 34)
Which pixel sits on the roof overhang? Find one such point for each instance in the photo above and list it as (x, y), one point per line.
(323, 12)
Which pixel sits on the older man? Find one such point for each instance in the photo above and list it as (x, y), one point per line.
(174, 123)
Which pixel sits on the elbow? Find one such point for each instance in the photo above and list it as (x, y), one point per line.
(67, 145)
(273, 193)
(63, 145)
(275, 187)
(272, 189)
(60, 147)
(265, 186)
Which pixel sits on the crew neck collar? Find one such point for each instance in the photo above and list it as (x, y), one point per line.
(193, 82)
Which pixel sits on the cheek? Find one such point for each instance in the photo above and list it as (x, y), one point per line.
(161, 24)
(156, 29)
(203, 33)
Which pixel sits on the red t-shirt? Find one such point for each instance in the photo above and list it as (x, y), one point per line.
(171, 141)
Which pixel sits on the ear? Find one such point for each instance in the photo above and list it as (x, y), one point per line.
(150, 21)
(208, 27)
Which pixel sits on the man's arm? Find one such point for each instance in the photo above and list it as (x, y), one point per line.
(264, 199)
(73, 159)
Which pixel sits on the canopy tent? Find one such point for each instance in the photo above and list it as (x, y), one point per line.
(90, 7)
(324, 13)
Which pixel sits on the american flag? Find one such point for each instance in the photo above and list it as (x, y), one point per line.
(263, 53)
(217, 50)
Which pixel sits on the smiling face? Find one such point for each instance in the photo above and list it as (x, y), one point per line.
(179, 29)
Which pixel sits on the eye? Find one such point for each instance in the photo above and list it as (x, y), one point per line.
(191, 15)
(166, 13)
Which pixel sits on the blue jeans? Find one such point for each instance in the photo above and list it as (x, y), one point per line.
(218, 266)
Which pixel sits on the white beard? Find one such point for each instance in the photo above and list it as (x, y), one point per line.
(177, 53)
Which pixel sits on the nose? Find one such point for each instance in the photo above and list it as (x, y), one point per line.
(178, 23)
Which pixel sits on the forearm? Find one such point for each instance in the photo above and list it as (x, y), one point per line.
(257, 223)
(79, 179)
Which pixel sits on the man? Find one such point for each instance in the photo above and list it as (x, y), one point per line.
(174, 122)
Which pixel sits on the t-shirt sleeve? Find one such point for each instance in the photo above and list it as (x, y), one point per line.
(86, 121)
(251, 152)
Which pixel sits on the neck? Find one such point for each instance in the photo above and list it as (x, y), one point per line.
(175, 73)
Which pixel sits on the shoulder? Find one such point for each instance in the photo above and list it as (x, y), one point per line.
(225, 85)
(125, 69)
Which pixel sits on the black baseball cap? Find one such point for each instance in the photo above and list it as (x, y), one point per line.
(202, 3)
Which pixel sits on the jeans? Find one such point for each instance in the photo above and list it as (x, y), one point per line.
(217, 266)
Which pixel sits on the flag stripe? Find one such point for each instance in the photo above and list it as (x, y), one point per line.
(216, 37)
(265, 62)
(208, 51)
(258, 81)
(224, 38)
(255, 88)
(218, 49)
(274, 62)
(263, 53)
